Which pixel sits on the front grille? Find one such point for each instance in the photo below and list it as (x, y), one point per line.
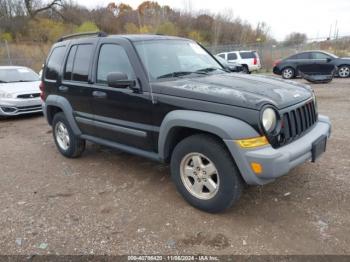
(26, 96)
(296, 122)
(29, 108)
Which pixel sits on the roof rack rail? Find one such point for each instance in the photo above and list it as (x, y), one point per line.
(98, 34)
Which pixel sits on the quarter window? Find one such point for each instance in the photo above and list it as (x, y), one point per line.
(247, 55)
(54, 63)
(113, 58)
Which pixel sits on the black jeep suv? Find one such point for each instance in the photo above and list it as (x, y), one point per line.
(168, 99)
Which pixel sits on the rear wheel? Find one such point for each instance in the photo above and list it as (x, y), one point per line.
(67, 143)
(344, 71)
(245, 69)
(288, 73)
(205, 173)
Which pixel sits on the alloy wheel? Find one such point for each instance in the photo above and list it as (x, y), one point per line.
(200, 176)
(288, 73)
(62, 136)
(344, 71)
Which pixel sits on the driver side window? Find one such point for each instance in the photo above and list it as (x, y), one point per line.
(113, 58)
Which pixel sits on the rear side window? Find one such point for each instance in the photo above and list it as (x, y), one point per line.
(54, 63)
(78, 62)
(247, 55)
(300, 56)
(222, 55)
(231, 56)
(113, 58)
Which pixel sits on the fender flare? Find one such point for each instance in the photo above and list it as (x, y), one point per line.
(64, 105)
(225, 127)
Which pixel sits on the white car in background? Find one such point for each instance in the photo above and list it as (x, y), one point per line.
(250, 60)
(19, 91)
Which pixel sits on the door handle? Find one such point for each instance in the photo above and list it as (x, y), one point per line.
(63, 88)
(99, 94)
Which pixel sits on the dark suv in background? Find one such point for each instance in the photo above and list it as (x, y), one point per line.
(287, 67)
(168, 99)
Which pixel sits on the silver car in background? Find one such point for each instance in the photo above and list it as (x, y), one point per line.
(19, 91)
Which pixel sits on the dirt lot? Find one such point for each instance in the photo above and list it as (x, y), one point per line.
(109, 202)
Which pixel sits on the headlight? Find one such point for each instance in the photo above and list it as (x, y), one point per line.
(269, 119)
(5, 95)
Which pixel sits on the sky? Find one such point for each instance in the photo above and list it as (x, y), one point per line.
(316, 18)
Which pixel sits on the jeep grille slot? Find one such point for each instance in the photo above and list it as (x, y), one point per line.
(296, 122)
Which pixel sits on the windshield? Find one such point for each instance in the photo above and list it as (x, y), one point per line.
(11, 75)
(174, 58)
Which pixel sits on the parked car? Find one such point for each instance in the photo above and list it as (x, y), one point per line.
(249, 60)
(218, 130)
(288, 67)
(19, 91)
(231, 66)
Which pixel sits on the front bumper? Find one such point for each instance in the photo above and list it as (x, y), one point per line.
(276, 70)
(277, 162)
(13, 107)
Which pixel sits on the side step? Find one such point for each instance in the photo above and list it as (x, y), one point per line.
(128, 149)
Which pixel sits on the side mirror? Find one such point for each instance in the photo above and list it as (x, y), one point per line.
(329, 60)
(119, 80)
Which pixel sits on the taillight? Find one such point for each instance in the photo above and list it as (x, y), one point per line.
(255, 61)
(42, 89)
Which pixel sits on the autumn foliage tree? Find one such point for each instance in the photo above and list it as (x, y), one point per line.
(46, 20)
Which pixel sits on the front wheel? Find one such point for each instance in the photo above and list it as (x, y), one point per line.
(288, 73)
(344, 71)
(67, 143)
(205, 173)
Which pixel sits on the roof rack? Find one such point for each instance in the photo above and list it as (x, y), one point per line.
(98, 34)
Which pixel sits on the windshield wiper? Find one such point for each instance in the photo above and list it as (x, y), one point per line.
(209, 69)
(180, 73)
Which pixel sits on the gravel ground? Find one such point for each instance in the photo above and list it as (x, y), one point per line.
(109, 202)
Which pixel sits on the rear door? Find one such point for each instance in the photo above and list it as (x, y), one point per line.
(76, 83)
(121, 115)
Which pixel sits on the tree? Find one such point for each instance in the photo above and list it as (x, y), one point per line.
(35, 7)
(131, 28)
(295, 39)
(87, 26)
(167, 28)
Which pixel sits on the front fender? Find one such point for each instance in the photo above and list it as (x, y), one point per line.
(225, 127)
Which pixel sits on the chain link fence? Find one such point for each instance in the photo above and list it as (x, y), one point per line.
(27, 54)
(33, 54)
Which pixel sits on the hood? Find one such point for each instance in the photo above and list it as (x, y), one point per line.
(237, 90)
(20, 87)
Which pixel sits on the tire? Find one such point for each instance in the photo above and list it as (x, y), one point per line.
(344, 71)
(67, 143)
(225, 175)
(245, 69)
(288, 73)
